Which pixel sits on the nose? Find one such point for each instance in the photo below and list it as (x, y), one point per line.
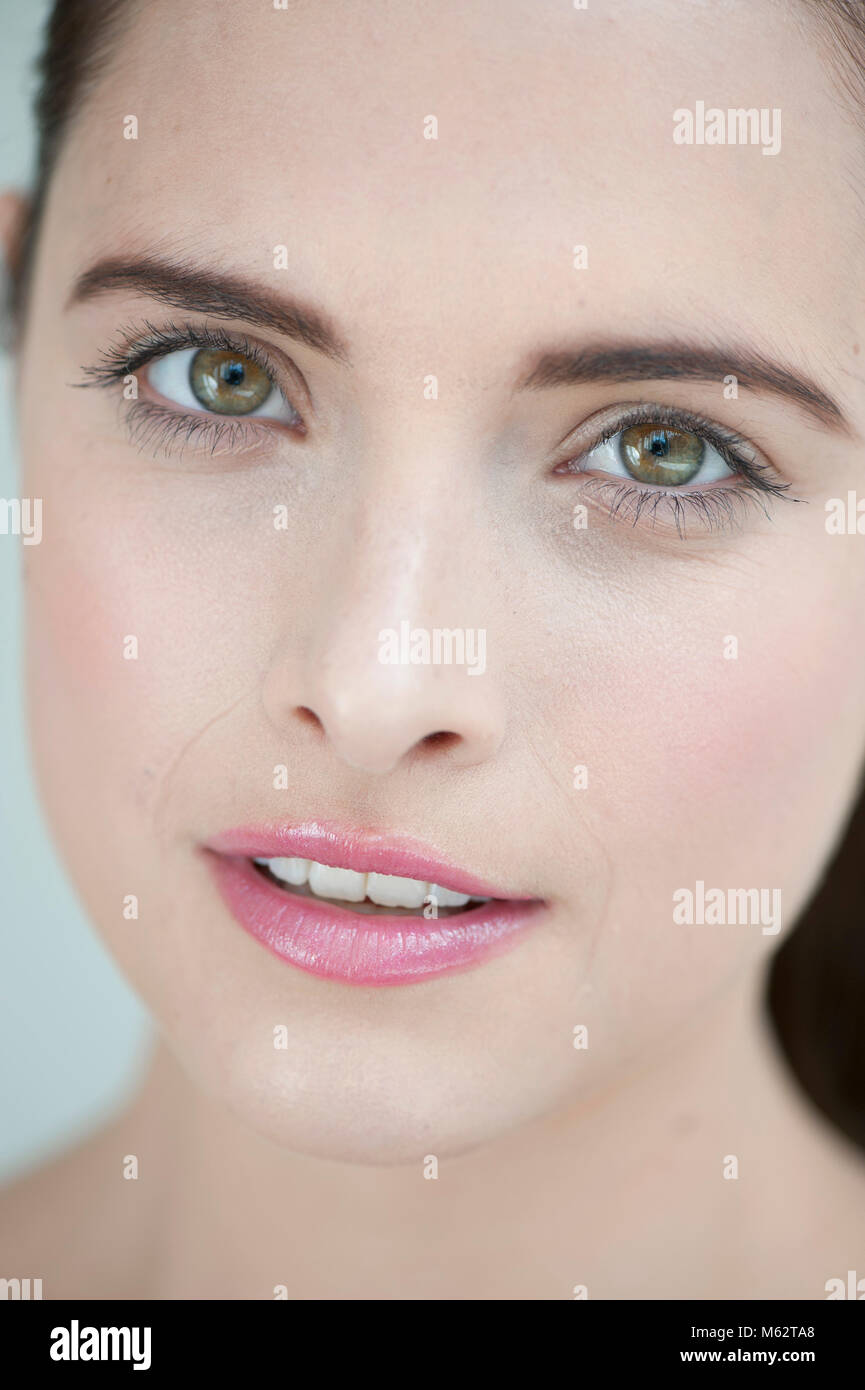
(368, 670)
(374, 731)
(375, 706)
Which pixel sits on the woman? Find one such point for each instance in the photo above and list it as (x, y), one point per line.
(444, 647)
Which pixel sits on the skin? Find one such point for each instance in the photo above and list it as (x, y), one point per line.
(558, 1167)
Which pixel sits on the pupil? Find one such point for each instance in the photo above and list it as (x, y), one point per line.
(232, 373)
(659, 446)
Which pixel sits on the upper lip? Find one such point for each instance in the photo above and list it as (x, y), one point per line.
(362, 850)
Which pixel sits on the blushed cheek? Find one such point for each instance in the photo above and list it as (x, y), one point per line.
(744, 756)
(733, 763)
(139, 651)
(108, 663)
(81, 710)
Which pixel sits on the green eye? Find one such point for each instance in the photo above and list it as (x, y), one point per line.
(228, 382)
(658, 454)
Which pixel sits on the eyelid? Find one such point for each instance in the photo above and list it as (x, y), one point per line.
(754, 479)
(738, 452)
(171, 433)
(147, 342)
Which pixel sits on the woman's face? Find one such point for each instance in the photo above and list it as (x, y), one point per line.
(206, 605)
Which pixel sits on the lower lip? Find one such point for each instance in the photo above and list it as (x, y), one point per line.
(360, 948)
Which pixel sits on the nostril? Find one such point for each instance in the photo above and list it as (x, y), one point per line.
(309, 716)
(441, 739)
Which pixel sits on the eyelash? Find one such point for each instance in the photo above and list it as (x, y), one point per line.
(164, 427)
(160, 427)
(713, 507)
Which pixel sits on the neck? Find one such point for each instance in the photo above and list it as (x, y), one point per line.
(629, 1192)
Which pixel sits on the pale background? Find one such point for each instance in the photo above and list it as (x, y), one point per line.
(72, 1035)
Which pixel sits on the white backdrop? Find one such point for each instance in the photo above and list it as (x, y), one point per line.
(72, 1035)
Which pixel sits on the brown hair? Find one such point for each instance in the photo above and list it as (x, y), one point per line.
(79, 39)
(816, 988)
(816, 991)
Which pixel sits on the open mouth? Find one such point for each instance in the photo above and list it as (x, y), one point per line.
(380, 895)
(360, 907)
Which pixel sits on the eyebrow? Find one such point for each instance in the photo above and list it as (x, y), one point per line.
(226, 295)
(230, 296)
(683, 362)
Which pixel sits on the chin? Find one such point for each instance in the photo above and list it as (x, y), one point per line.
(357, 1109)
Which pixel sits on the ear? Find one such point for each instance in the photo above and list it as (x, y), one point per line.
(14, 211)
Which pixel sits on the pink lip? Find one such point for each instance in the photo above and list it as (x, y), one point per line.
(360, 948)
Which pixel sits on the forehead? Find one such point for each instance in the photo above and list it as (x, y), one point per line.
(308, 128)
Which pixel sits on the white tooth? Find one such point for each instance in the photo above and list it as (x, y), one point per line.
(445, 897)
(389, 890)
(293, 871)
(337, 883)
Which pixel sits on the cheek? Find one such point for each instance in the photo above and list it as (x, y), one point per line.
(734, 766)
(720, 715)
(759, 759)
(130, 665)
(135, 640)
(125, 665)
(100, 635)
